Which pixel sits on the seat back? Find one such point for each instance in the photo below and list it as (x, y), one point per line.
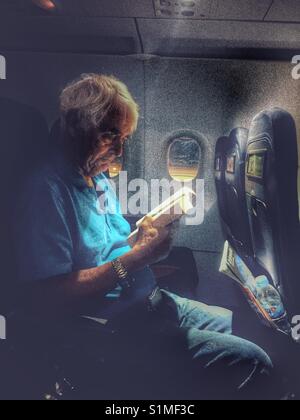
(23, 141)
(220, 167)
(55, 134)
(237, 214)
(272, 201)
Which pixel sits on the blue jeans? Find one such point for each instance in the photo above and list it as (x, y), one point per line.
(232, 368)
(185, 350)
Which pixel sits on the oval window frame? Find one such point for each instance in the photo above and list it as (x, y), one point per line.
(184, 136)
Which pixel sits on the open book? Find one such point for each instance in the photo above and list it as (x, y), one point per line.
(168, 212)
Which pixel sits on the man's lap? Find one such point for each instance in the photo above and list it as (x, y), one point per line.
(185, 345)
(212, 352)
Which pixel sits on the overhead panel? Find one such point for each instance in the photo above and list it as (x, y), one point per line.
(20, 8)
(189, 38)
(285, 11)
(107, 8)
(241, 9)
(212, 9)
(189, 9)
(62, 34)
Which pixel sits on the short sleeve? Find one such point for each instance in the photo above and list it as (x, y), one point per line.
(42, 235)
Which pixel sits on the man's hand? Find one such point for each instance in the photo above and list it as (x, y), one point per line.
(70, 293)
(154, 245)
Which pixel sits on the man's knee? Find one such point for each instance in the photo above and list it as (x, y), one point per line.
(246, 367)
(241, 351)
(250, 352)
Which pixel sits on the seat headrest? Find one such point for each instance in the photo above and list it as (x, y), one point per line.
(23, 136)
(271, 187)
(23, 142)
(276, 130)
(239, 137)
(221, 146)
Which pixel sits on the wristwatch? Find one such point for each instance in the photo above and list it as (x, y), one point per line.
(125, 280)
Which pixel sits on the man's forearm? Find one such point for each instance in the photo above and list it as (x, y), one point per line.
(69, 292)
(99, 281)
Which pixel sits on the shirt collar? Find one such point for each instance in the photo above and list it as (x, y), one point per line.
(82, 182)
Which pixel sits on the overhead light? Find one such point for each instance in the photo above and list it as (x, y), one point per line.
(45, 4)
(176, 8)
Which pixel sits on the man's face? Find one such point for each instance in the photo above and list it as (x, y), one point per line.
(109, 146)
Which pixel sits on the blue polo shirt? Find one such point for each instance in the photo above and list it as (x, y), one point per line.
(64, 225)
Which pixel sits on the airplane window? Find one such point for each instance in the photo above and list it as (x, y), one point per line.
(184, 156)
(115, 168)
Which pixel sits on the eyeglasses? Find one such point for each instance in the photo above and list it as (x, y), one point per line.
(108, 138)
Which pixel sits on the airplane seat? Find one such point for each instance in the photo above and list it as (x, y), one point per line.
(24, 136)
(272, 201)
(254, 161)
(24, 143)
(220, 167)
(237, 213)
(55, 133)
(237, 223)
(230, 160)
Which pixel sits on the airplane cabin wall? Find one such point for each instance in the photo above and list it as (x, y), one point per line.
(210, 97)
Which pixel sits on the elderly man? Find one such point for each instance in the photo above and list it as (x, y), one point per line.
(126, 337)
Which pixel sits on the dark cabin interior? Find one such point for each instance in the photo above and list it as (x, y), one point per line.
(198, 69)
